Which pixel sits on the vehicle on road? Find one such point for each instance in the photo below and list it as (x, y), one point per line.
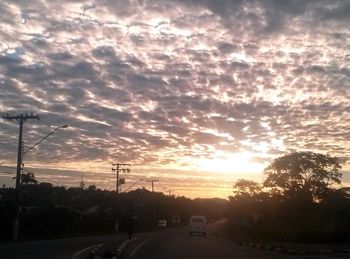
(162, 223)
(198, 225)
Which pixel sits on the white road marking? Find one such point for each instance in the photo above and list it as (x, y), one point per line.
(137, 248)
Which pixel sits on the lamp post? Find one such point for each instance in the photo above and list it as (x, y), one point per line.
(32, 147)
(18, 175)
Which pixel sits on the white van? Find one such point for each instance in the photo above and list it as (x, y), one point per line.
(198, 224)
(162, 223)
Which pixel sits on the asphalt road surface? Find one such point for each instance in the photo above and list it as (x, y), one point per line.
(178, 244)
(52, 249)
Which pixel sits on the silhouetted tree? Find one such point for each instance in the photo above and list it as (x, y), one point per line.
(305, 175)
(244, 187)
(28, 178)
(92, 188)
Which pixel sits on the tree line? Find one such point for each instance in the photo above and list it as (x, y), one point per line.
(300, 200)
(48, 211)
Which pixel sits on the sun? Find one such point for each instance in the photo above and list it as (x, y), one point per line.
(236, 163)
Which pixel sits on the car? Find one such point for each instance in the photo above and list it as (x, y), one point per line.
(198, 225)
(162, 223)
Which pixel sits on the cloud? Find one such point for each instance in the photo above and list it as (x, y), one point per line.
(165, 83)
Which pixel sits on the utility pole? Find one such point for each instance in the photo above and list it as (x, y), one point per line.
(153, 181)
(82, 183)
(119, 168)
(21, 118)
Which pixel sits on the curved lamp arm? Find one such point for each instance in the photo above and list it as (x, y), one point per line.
(37, 143)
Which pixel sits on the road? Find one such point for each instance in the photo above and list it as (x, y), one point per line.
(178, 244)
(51, 249)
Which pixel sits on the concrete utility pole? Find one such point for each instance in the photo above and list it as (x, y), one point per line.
(153, 181)
(21, 118)
(119, 168)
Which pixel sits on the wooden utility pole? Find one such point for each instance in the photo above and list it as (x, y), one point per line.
(153, 181)
(119, 168)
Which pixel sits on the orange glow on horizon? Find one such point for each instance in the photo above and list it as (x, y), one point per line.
(230, 163)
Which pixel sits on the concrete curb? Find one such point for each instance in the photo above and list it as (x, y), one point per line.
(111, 247)
(86, 252)
(98, 251)
(295, 251)
(125, 248)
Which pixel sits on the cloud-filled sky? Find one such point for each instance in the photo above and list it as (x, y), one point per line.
(176, 87)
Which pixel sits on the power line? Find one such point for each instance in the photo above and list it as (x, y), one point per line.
(45, 124)
(139, 180)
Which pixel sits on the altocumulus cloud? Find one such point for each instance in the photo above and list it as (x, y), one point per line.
(164, 83)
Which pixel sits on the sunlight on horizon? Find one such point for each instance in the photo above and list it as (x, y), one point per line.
(232, 163)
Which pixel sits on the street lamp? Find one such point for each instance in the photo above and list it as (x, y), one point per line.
(18, 175)
(37, 143)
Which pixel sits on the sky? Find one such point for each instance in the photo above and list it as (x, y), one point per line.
(194, 93)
